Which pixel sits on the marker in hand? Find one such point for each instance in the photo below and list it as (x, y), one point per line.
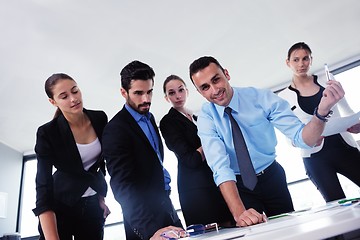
(327, 72)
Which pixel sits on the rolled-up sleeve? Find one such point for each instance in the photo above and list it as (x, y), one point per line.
(214, 148)
(44, 180)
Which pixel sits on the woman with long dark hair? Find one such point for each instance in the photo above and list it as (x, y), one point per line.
(70, 202)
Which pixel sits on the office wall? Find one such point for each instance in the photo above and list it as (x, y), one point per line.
(10, 176)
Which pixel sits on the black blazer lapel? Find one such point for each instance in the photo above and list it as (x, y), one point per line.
(161, 148)
(68, 140)
(135, 126)
(176, 114)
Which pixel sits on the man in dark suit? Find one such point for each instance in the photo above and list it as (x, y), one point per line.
(134, 154)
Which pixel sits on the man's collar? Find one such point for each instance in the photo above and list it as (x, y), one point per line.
(137, 116)
(234, 104)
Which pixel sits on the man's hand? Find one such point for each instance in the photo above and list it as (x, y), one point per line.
(313, 129)
(249, 217)
(169, 231)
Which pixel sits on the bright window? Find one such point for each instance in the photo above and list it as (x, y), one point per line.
(28, 221)
(350, 82)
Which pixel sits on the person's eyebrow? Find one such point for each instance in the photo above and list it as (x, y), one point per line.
(203, 85)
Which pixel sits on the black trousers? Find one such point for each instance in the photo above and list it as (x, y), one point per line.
(164, 215)
(271, 194)
(84, 221)
(322, 169)
(204, 205)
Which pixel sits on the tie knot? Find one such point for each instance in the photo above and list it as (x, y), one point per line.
(228, 110)
(144, 118)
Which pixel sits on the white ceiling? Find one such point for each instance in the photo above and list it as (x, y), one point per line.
(93, 40)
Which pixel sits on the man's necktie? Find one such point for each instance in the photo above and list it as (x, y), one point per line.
(156, 145)
(151, 136)
(248, 174)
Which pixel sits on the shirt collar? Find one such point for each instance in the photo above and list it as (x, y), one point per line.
(234, 104)
(137, 116)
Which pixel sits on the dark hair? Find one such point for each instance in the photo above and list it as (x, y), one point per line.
(50, 84)
(135, 70)
(172, 77)
(201, 63)
(299, 45)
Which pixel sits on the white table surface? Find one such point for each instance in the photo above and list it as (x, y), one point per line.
(318, 223)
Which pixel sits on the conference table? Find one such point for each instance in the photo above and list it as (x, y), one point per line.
(330, 220)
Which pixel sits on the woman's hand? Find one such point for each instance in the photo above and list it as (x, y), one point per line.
(103, 206)
(318, 143)
(48, 225)
(201, 151)
(354, 129)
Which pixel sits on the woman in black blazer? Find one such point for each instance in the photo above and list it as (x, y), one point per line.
(200, 199)
(70, 202)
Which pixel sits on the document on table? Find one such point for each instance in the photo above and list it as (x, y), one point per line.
(225, 234)
(340, 124)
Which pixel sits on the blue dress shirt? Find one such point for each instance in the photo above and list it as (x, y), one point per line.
(257, 112)
(148, 129)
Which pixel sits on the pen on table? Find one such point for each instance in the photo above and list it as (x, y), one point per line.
(266, 218)
(327, 72)
(278, 216)
(348, 200)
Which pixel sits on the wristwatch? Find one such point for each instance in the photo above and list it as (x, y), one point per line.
(323, 118)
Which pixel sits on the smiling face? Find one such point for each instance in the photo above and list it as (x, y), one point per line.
(213, 84)
(299, 62)
(67, 96)
(139, 95)
(176, 93)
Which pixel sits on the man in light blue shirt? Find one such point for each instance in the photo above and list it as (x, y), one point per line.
(257, 112)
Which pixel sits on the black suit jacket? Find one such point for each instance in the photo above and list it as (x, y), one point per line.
(181, 137)
(200, 198)
(137, 178)
(56, 147)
